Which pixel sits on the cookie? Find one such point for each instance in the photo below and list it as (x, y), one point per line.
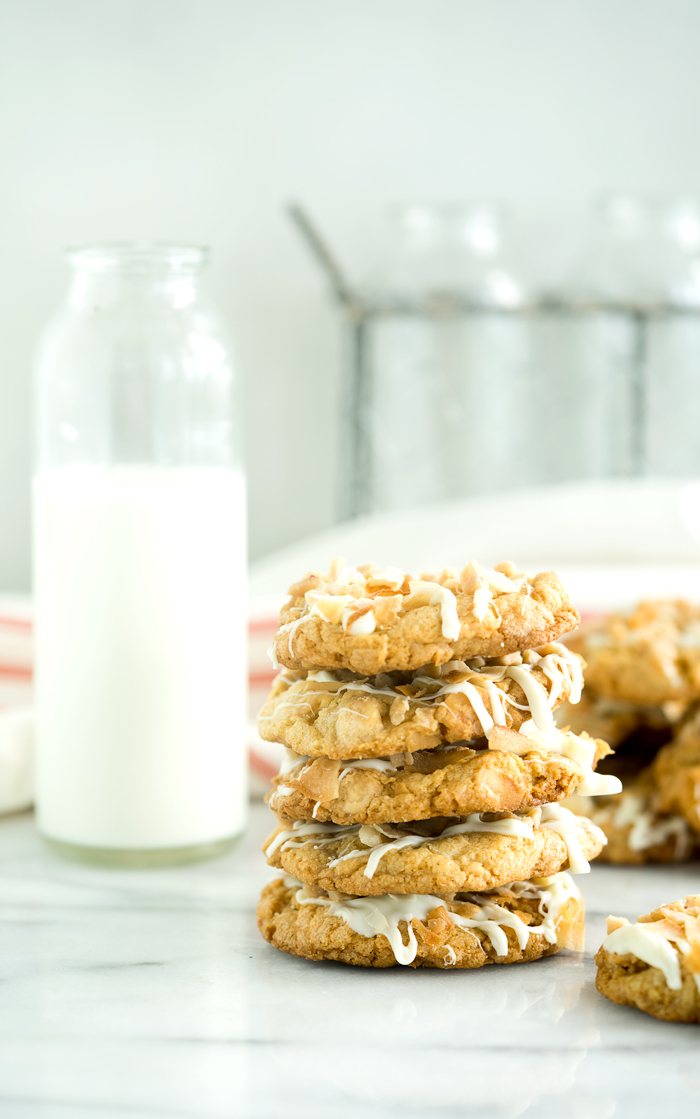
(649, 656)
(635, 732)
(513, 774)
(342, 715)
(676, 771)
(372, 621)
(442, 857)
(516, 924)
(655, 964)
(636, 831)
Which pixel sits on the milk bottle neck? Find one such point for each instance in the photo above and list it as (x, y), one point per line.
(135, 366)
(104, 275)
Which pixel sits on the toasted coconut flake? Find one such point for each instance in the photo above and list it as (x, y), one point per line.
(402, 759)
(428, 761)
(570, 929)
(509, 741)
(470, 578)
(387, 609)
(398, 711)
(616, 923)
(309, 583)
(337, 565)
(433, 930)
(439, 921)
(320, 779)
(369, 836)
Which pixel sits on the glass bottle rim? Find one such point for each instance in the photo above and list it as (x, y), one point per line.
(137, 256)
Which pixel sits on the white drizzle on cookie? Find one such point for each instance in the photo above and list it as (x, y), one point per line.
(280, 791)
(579, 750)
(429, 593)
(383, 914)
(562, 821)
(636, 940)
(647, 829)
(662, 939)
(291, 761)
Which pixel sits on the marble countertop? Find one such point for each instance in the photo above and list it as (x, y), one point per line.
(150, 993)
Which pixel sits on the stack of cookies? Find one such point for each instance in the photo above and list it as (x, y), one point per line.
(417, 808)
(641, 695)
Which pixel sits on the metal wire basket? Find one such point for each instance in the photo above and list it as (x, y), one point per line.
(446, 397)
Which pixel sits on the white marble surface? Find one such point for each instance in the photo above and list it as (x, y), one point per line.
(142, 994)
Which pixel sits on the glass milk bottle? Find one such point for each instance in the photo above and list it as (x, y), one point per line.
(139, 565)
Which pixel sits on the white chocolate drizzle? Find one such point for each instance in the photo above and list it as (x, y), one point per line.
(646, 945)
(553, 893)
(480, 604)
(302, 829)
(537, 698)
(562, 821)
(559, 665)
(379, 765)
(291, 761)
(383, 914)
(280, 791)
(649, 830)
(579, 750)
(434, 594)
(478, 706)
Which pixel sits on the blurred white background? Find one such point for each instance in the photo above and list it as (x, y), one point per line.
(186, 120)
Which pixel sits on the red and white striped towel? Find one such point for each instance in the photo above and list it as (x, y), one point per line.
(16, 653)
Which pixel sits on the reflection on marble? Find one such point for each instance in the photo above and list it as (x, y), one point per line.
(150, 994)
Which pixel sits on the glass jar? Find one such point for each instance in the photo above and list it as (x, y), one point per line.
(443, 358)
(441, 254)
(139, 565)
(672, 345)
(618, 263)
